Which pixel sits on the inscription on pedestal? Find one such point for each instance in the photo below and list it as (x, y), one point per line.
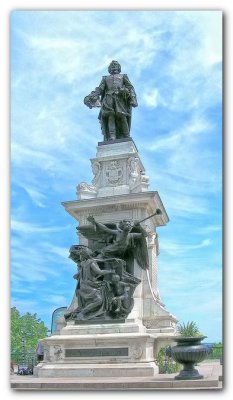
(98, 352)
(99, 321)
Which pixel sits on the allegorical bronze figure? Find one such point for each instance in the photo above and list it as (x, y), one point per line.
(106, 281)
(104, 289)
(116, 97)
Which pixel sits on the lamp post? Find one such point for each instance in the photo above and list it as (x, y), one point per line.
(23, 346)
(166, 360)
(23, 350)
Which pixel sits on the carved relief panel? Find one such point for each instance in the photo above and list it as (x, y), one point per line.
(114, 173)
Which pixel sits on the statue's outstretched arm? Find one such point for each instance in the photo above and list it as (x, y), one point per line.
(136, 235)
(93, 99)
(100, 226)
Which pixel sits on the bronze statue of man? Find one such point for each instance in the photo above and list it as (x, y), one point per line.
(116, 97)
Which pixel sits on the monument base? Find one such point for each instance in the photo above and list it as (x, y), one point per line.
(94, 370)
(85, 351)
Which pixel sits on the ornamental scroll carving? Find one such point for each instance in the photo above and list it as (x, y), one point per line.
(83, 186)
(96, 169)
(58, 353)
(136, 351)
(134, 170)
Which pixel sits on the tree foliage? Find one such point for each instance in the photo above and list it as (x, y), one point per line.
(26, 330)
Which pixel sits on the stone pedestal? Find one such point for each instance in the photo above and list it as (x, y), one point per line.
(99, 350)
(118, 191)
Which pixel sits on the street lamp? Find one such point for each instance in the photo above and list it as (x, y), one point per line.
(23, 346)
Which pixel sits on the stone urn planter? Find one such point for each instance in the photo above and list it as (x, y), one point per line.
(189, 351)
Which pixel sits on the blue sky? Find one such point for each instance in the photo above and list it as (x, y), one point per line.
(173, 59)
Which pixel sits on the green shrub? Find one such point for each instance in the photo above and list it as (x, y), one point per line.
(165, 363)
(189, 330)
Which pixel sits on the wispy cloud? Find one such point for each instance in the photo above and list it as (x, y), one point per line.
(210, 229)
(181, 248)
(152, 98)
(56, 299)
(60, 251)
(37, 197)
(27, 227)
(27, 305)
(182, 137)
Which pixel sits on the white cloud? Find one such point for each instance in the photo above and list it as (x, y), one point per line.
(151, 98)
(62, 53)
(55, 299)
(62, 252)
(37, 197)
(24, 306)
(181, 204)
(189, 278)
(211, 31)
(24, 155)
(182, 137)
(184, 169)
(181, 248)
(21, 276)
(210, 229)
(27, 227)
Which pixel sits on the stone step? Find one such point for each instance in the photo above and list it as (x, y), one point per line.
(31, 383)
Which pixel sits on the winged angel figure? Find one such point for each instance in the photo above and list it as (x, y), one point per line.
(122, 241)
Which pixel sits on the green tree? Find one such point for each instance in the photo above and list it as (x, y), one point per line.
(26, 330)
(16, 335)
(217, 351)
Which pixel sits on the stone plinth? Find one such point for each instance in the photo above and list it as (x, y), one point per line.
(110, 350)
(117, 170)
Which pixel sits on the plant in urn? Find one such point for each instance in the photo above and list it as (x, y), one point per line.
(189, 350)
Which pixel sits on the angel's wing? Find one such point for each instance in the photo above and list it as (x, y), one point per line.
(139, 248)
